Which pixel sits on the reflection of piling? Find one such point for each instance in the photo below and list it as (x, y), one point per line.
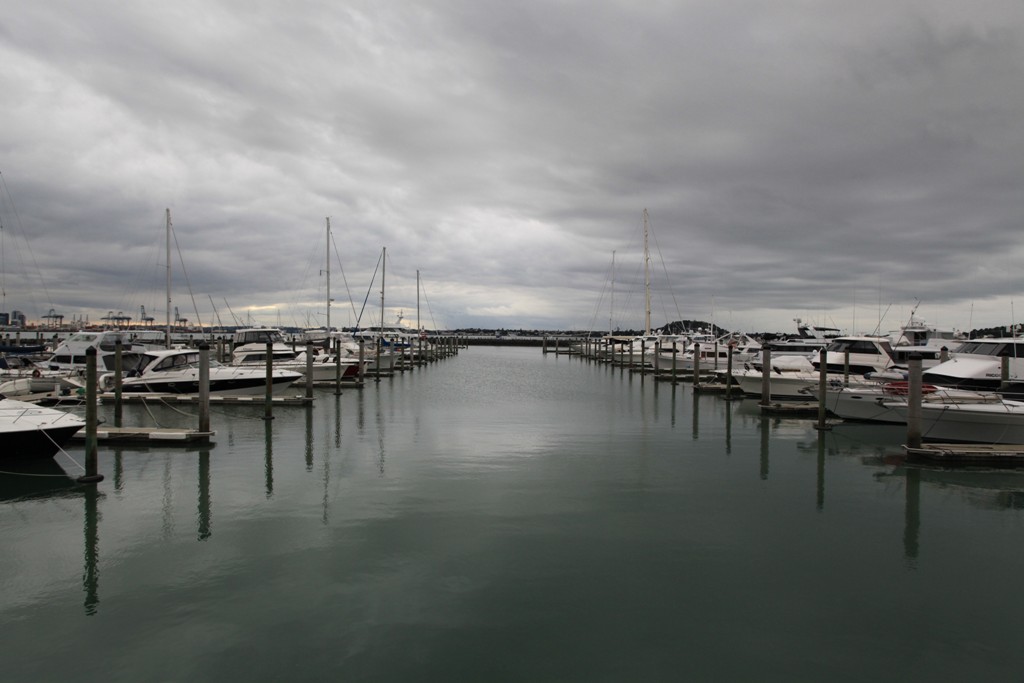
(91, 475)
(91, 571)
(204, 527)
(914, 402)
(912, 514)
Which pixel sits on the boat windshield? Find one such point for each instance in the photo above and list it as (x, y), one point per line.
(860, 346)
(993, 348)
(258, 337)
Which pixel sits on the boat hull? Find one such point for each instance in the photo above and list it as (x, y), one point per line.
(988, 423)
(29, 431)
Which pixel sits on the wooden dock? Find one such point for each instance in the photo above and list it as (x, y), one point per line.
(147, 435)
(719, 388)
(794, 409)
(998, 455)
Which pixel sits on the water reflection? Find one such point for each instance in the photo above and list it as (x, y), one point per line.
(912, 516)
(35, 479)
(205, 518)
(268, 466)
(728, 427)
(309, 438)
(765, 438)
(380, 437)
(821, 472)
(91, 570)
(695, 400)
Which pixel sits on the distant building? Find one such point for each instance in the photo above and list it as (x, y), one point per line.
(17, 319)
(5, 319)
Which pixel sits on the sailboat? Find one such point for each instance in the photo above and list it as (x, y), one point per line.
(639, 350)
(176, 371)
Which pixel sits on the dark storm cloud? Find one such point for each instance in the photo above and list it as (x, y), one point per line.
(797, 159)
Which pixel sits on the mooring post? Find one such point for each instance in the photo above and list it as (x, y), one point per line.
(1004, 374)
(204, 388)
(309, 371)
(362, 362)
(728, 374)
(943, 354)
(675, 355)
(118, 374)
(380, 342)
(91, 475)
(766, 377)
(268, 403)
(822, 389)
(696, 366)
(337, 367)
(914, 402)
(657, 357)
(846, 368)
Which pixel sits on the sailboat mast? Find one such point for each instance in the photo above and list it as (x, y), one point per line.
(647, 281)
(167, 339)
(418, 326)
(328, 277)
(611, 308)
(383, 269)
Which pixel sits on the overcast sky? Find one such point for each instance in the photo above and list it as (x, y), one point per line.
(833, 161)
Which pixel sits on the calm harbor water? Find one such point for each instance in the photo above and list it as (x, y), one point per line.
(506, 515)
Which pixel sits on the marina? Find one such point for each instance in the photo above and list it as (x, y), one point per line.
(507, 514)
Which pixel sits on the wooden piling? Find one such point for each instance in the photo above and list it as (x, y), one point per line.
(92, 475)
(268, 403)
(696, 366)
(823, 389)
(204, 387)
(914, 402)
(309, 367)
(118, 374)
(766, 377)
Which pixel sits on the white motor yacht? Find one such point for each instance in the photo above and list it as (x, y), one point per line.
(989, 422)
(31, 431)
(977, 365)
(177, 372)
